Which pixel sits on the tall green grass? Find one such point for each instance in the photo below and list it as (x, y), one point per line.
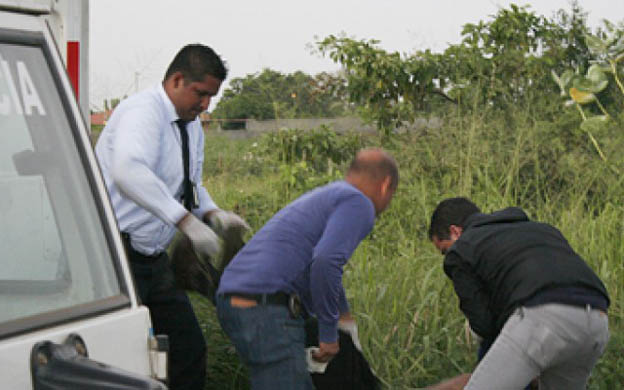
(411, 328)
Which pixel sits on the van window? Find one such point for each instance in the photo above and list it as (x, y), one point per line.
(54, 253)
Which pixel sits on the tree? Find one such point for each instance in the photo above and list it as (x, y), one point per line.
(607, 49)
(503, 62)
(388, 87)
(509, 58)
(271, 94)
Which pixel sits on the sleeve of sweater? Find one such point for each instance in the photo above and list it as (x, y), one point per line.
(347, 226)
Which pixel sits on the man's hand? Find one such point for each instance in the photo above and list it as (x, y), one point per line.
(325, 352)
(204, 240)
(346, 317)
(221, 220)
(346, 323)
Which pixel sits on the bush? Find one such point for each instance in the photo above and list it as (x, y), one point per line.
(320, 148)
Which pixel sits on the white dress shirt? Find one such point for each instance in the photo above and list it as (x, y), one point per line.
(140, 155)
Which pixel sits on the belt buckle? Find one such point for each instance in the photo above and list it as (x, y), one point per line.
(294, 306)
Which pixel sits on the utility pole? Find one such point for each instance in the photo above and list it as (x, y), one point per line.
(136, 81)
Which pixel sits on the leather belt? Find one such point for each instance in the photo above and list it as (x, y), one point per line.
(278, 298)
(291, 301)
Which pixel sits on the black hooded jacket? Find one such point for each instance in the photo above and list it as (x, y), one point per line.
(503, 260)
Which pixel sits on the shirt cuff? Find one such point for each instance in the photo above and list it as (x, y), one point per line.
(328, 332)
(175, 212)
(205, 203)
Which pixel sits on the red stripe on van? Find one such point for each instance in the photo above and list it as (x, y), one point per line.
(73, 65)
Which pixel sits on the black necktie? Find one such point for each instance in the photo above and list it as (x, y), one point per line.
(188, 187)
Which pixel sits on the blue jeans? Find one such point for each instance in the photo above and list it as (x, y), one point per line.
(269, 342)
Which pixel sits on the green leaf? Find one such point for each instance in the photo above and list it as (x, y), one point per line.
(605, 68)
(564, 81)
(598, 79)
(618, 48)
(609, 25)
(595, 123)
(595, 44)
(559, 82)
(582, 83)
(566, 78)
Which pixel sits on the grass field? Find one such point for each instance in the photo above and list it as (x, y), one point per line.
(411, 328)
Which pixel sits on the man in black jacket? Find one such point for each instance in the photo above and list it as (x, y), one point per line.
(520, 283)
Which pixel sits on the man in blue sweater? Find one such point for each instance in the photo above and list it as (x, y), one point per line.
(298, 256)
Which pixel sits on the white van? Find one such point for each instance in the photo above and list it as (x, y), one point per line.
(69, 316)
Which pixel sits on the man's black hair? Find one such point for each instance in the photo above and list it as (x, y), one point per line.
(195, 61)
(451, 211)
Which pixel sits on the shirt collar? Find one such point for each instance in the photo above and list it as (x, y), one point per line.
(170, 110)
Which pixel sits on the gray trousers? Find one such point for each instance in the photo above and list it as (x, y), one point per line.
(559, 343)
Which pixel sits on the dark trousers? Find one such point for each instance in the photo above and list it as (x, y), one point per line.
(172, 314)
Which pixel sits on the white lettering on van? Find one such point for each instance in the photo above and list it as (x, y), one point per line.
(29, 93)
(12, 90)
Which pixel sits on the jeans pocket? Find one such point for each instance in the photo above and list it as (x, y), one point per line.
(247, 330)
(545, 346)
(264, 335)
(294, 330)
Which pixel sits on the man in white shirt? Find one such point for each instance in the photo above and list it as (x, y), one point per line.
(151, 153)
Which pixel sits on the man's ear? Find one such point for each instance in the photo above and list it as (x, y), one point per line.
(385, 185)
(177, 79)
(455, 231)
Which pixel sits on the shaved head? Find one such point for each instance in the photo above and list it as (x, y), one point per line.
(376, 164)
(376, 174)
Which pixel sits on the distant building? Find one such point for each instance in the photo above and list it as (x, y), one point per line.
(100, 118)
(205, 116)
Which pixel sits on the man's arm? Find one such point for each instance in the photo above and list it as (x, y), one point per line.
(346, 322)
(343, 305)
(135, 155)
(473, 299)
(346, 227)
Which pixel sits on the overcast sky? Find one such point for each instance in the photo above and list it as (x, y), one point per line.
(135, 40)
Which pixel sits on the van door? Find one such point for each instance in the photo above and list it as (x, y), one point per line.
(62, 266)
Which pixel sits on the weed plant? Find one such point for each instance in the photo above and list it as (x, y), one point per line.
(410, 326)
